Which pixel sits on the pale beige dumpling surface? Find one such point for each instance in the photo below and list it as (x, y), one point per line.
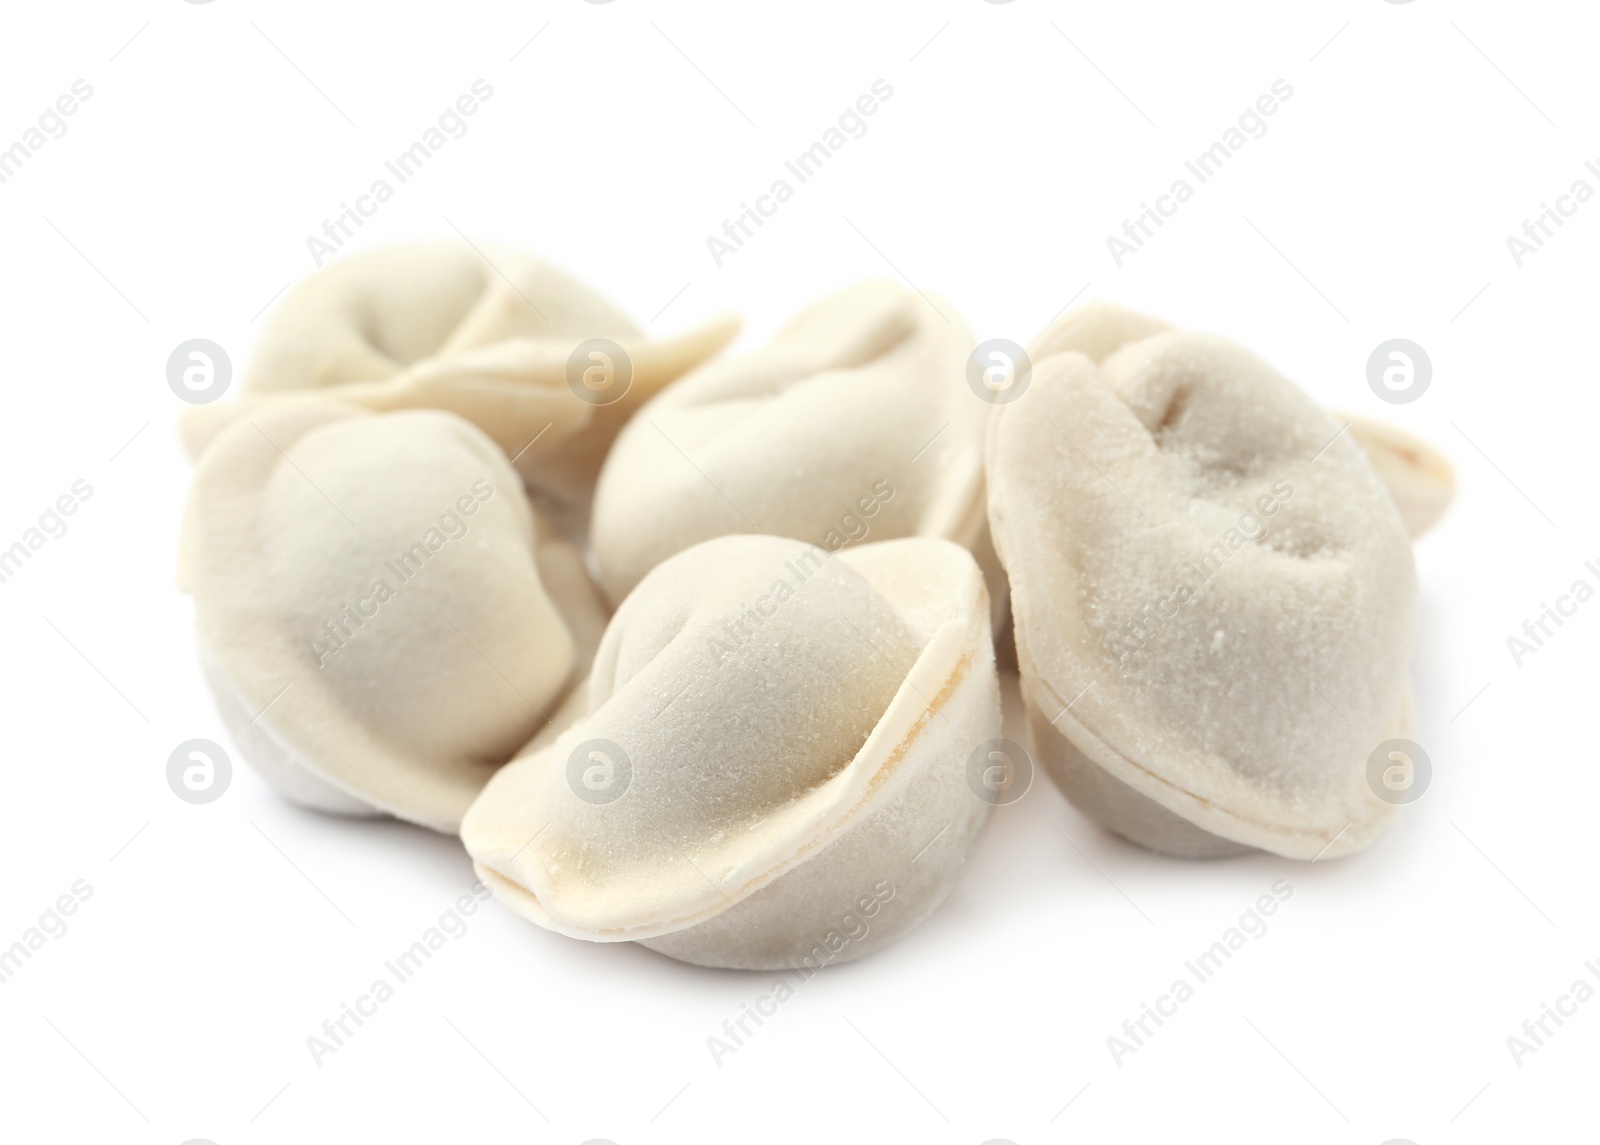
(1418, 476)
(1214, 594)
(383, 619)
(855, 423)
(486, 333)
(771, 767)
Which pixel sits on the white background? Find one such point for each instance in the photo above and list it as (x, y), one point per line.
(218, 938)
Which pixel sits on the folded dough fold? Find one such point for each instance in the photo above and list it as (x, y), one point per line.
(484, 334)
(786, 729)
(854, 423)
(1417, 475)
(382, 616)
(1214, 595)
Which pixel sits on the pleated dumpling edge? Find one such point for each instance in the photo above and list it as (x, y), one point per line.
(490, 333)
(1214, 596)
(382, 615)
(754, 788)
(854, 423)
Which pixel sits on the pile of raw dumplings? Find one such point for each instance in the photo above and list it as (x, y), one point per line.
(700, 652)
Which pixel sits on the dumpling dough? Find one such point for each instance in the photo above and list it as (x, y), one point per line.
(788, 732)
(1214, 596)
(487, 336)
(855, 423)
(383, 619)
(1417, 475)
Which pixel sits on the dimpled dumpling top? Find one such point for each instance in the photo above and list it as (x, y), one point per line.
(854, 423)
(1214, 597)
(1417, 475)
(774, 738)
(493, 335)
(383, 619)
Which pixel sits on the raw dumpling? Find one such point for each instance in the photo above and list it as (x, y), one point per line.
(1214, 596)
(855, 423)
(1418, 476)
(383, 619)
(772, 767)
(492, 337)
